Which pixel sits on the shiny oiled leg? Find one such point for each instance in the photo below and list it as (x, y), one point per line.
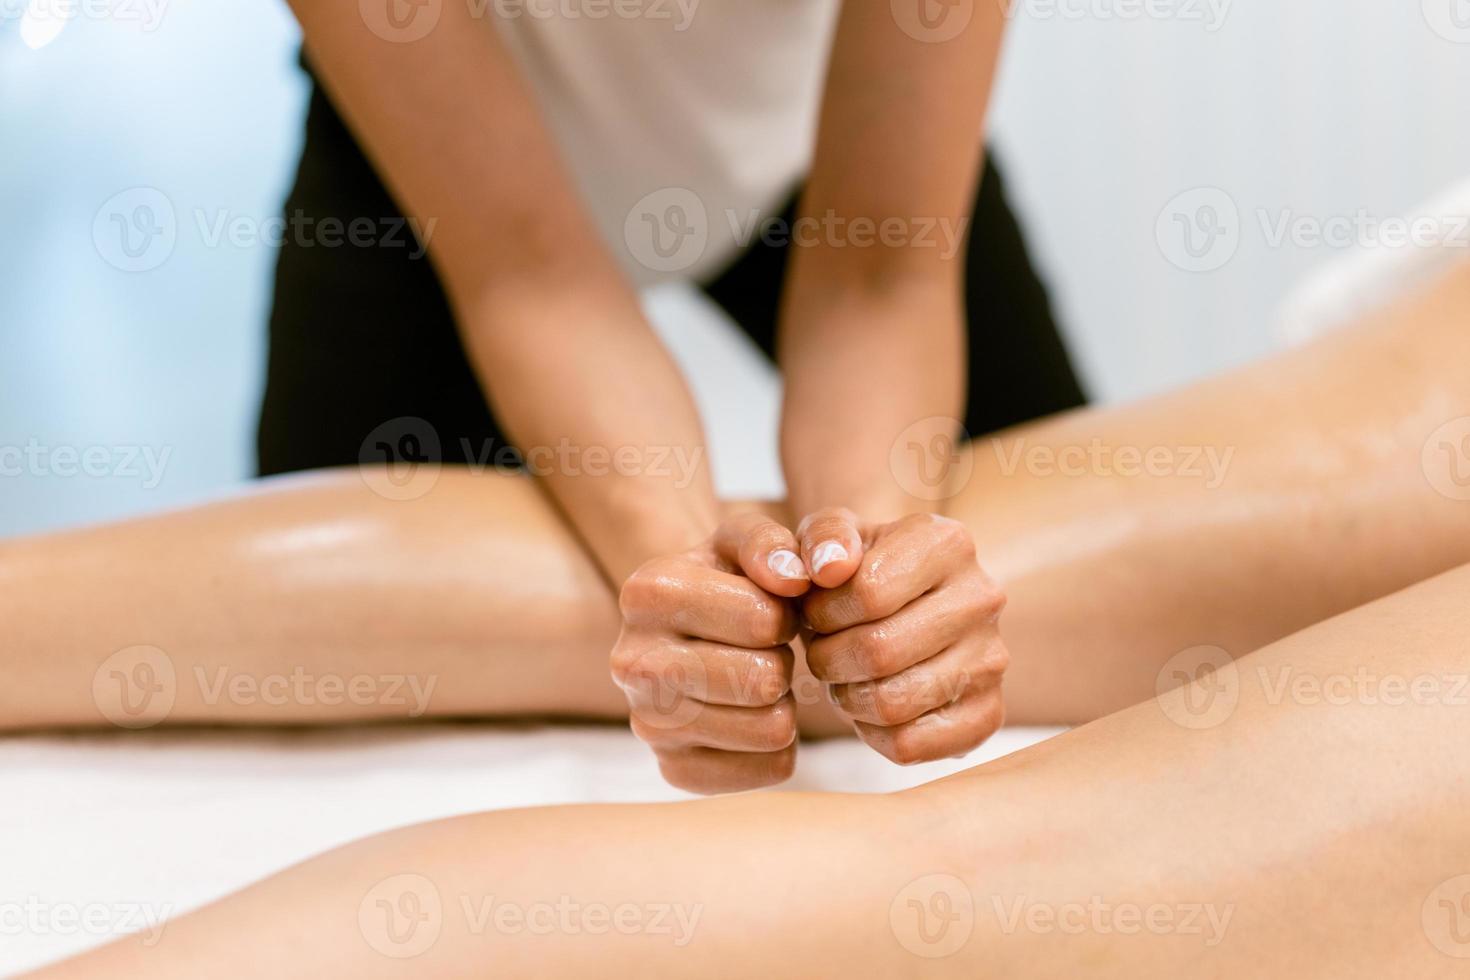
(1228, 513)
(310, 599)
(1268, 819)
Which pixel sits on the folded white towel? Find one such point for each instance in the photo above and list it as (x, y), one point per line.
(1371, 277)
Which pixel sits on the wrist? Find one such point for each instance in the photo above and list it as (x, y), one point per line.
(641, 535)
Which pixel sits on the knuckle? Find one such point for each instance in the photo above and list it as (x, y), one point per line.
(622, 662)
(868, 589)
(644, 590)
(952, 686)
(819, 657)
(982, 596)
(875, 652)
(953, 535)
(653, 735)
(817, 610)
(780, 766)
(989, 721)
(639, 663)
(769, 680)
(998, 658)
(910, 522)
(892, 703)
(994, 718)
(765, 623)
(776, 730)
(907, 747)
(677, 772)
(992, 596)
(992, 660)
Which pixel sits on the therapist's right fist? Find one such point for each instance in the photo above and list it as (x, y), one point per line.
(705, 657)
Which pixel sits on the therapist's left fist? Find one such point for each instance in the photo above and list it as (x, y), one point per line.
(906, 632)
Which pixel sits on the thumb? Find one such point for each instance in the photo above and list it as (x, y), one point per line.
(765, 552)
(831, 545)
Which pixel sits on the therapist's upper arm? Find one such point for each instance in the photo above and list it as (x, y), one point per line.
(436, 99)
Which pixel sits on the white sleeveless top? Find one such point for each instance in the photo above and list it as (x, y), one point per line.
(680, 119)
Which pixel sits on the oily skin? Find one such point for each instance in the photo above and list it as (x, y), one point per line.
(901, 628)
(1288, 836)
(908, 639)
(705, 657)
(1326, 505)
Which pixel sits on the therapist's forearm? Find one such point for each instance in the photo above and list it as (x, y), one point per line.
(573, 372)
(603, 418)
(866, 366)
(872, 342)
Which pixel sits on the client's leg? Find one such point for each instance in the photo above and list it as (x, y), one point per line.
(1267, 819)
(1274, 496)
(311, 599)
(1231, 512)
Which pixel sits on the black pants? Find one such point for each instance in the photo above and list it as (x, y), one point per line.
(360, 335)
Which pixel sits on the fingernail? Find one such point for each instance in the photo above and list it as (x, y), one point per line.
(827, 552)
(786, 564)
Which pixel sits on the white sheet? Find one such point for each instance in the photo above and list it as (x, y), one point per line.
(125, 829)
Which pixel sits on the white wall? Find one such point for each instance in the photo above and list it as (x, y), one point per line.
(1307, 108)
(1321, 106)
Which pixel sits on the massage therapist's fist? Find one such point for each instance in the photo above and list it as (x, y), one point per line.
(905, 632)
(705, 659)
